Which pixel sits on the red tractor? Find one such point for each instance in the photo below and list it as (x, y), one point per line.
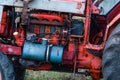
(60, 35)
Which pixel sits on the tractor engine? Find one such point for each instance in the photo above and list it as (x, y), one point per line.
(41, 39)
(48, 35)
(43, 35)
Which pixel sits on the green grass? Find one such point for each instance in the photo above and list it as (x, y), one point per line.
(49, 75)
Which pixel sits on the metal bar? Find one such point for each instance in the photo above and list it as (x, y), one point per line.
(11, 50)
(87, 22)
(109, 25)
(114, 20)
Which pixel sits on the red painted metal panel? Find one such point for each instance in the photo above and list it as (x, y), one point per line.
(10, 50)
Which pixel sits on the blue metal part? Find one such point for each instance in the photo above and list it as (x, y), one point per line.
(56, 54)
(42, 52)
(34, 51)
(44, 41)
(77, 27)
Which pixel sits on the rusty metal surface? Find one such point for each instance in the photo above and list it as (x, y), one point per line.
(46, 23)
(24, 15)
(71, 6)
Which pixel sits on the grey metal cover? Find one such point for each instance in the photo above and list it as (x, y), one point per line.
(107, 5)
(1, 11)
(71, 6)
